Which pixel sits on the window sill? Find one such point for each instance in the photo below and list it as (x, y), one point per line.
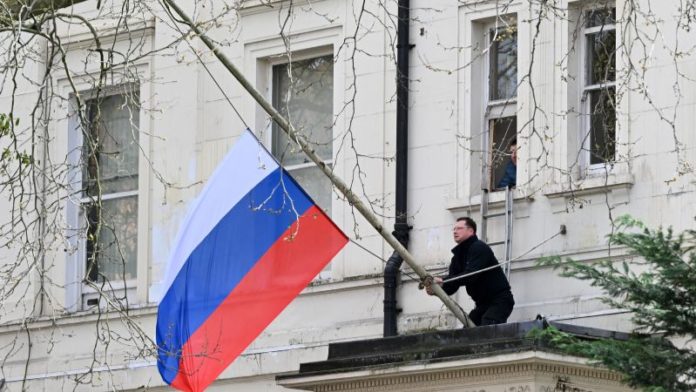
(617, 186)
(66, 319)
(112, 296)
(112, 286)
(590, 185)
(496, 200)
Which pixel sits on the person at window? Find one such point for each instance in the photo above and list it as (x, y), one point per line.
(510, 177)
(490, 290)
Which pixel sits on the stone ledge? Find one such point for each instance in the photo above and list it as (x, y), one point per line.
(517, 371)
(589, 185)
(496, 202)
(493, 356)
(616, 186)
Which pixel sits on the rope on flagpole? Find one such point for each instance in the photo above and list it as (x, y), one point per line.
(352, 198)
(458, 277)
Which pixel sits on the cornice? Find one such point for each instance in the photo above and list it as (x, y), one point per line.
(504, 369)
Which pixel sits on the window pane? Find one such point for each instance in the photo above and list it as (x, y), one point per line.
(111, 155)
(112, 253)
(603, 126)
(601, 49)
(502, 131)
(600, 17)
(316, 184)
(503, 64)
(305, 97)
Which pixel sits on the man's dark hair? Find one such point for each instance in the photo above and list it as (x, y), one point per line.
(469, 222)
(513, 142)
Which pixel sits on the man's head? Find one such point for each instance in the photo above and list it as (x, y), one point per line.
(464, 228)
(513, 150)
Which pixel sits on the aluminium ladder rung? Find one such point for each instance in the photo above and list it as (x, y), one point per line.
(495, 214)
(496, 243)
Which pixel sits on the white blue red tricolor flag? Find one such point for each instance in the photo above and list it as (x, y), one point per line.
(252, 241)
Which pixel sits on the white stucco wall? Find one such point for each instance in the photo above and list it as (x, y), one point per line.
(188, 125)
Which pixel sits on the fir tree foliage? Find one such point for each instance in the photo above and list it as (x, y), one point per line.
(657, 284)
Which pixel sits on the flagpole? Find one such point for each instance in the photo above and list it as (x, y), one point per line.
(352, 198)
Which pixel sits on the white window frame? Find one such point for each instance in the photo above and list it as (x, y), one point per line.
(261, 52)
(585, 90)
(494, 109)
(77, 293)
(68, 142)
(304, 55)
(118, 288)
(326, 273)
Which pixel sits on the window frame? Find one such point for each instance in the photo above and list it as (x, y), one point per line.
(585, 90)
(83, 294)
(497, 109)
(66, 136)
(299, 56)
(271, 62)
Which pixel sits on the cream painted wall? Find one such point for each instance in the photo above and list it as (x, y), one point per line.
(190, 126)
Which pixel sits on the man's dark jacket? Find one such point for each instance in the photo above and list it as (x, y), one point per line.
(469, 256)
(510, 177)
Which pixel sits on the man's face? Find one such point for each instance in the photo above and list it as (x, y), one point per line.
(461, 232)
(513, 153)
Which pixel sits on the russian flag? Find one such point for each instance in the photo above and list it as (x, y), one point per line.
(251, 242)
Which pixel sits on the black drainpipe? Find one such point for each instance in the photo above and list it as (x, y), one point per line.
(401, 227)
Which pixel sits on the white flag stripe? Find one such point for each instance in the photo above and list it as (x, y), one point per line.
(245, 165)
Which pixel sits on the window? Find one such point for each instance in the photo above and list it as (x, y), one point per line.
(501, 106)
(303, 92)
(109, 189)
(599, 87)
(502, 133)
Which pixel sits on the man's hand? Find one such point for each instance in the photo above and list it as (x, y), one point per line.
(429, 289)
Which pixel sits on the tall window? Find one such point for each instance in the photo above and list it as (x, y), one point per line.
(599, 87)
(303, 92)
(110, 187)
(501, 104)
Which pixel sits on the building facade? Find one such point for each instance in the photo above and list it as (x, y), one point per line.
(124, 114)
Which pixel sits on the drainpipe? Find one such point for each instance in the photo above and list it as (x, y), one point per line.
(401, 227)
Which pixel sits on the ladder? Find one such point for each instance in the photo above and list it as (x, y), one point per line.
(485, 215)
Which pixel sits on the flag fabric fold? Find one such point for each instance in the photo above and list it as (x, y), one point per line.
(251, 242)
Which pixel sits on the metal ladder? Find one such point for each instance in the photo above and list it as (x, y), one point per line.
(507, 213)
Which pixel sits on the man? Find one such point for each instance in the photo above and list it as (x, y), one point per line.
(490, 290)
(510, 177)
